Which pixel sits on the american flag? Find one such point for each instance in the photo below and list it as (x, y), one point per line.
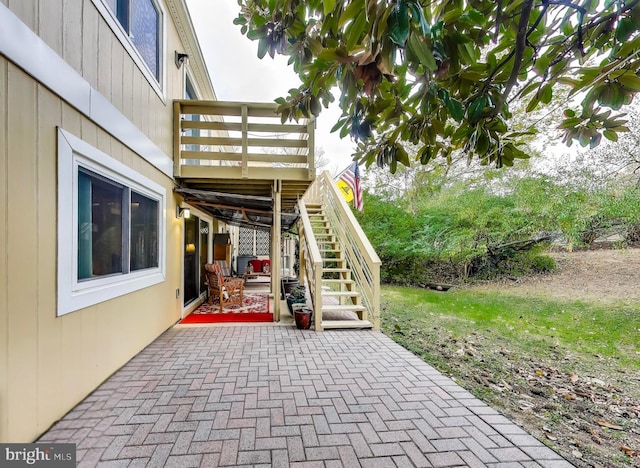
(351, 177)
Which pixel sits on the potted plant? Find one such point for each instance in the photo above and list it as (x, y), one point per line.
(302, 316)
(298, 296)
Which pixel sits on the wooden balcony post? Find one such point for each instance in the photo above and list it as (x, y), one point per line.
(311, 142)
(276, 235)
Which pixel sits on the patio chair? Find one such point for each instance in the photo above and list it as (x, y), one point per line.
(224, 268)
(228, 290)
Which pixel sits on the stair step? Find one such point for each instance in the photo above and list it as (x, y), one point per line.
(327, 324)
(336, 270)
(337, 281)
(333, 259)
(340, 293)
(342, 308)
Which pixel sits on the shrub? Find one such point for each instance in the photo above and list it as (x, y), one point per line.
(460, 231)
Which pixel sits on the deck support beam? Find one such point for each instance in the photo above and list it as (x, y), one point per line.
(276, 254)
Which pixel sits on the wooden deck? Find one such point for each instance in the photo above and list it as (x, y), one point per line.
(242, 148)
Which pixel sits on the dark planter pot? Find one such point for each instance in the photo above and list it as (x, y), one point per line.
(302, 318)
(292, 300)
(288, 284)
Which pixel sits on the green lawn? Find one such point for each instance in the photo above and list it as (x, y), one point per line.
(560, 369)
(523, 325)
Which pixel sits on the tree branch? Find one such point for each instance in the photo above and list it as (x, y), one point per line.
(517, 54)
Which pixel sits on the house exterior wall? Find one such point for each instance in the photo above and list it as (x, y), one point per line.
(49, 363)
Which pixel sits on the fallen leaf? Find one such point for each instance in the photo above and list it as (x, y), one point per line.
(610, 425)
(505, 384)
(576, 453)
(573, 377)
(539, 372)
(551, 437)
(570, 396)
(629, 451)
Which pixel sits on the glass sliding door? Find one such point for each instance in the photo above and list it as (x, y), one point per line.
(204, 244)
(191, 270)
(196, 255)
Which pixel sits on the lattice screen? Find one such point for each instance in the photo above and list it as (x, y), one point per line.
(254, 242)
(245, 242)
(263, 241)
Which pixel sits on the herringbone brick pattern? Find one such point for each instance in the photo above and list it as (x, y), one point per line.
(277, 396)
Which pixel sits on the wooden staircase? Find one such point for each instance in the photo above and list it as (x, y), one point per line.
(339, 292)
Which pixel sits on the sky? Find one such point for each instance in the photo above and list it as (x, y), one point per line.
(238, 74)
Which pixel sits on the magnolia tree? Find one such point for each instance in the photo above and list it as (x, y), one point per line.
(441, 75)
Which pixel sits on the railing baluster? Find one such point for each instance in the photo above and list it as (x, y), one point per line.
(245, 141)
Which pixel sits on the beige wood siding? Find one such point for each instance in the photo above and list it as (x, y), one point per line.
(49, 363)
(22, 256)
(4, 222)
(77, 32)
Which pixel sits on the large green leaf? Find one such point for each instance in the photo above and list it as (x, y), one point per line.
(476, 108)
(419, 47)
(418, 17)
(329, 5)
(455, 109)
(351, 12)
(398, 23)
(625, 28)
(631, 81)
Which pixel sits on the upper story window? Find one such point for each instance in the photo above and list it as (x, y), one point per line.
(190, 93)
(140, 26)
(141, 20)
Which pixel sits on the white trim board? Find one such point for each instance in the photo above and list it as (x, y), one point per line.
(72, 294)
(25, 48)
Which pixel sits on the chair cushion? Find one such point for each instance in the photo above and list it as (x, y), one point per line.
(224, 267)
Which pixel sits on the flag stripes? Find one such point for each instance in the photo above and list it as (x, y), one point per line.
(351, 177)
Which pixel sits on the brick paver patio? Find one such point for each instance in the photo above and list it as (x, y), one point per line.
(277, 396)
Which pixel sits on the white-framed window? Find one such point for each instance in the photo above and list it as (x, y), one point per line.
(111, 227)
(140, 26)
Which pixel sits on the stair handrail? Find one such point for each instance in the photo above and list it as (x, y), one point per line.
(360, 255)
(311, 264)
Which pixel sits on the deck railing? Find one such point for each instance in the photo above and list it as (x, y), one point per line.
(310, 264)
(240, 140)
(360, 256)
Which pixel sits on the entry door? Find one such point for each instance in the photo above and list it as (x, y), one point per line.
(196, 242)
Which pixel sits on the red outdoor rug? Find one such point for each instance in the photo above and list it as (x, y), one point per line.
(255, 308)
